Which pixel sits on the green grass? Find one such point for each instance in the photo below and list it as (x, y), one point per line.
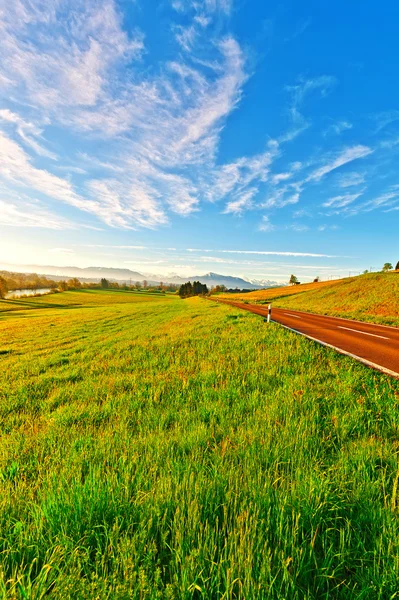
(158, 448)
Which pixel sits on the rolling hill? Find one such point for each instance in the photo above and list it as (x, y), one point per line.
(371, 297)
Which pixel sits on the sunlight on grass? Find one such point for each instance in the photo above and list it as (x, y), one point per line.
(158, 448)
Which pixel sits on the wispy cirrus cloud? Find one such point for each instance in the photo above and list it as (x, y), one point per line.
(338, 127)
(75, 67)
(389, 200)
(267, 253)
(16, 167)
(342, 158)
(351, 179)
(385, 118)
(166, 127)
(342, 200)
(66, 62)
(300, 92)
(242, 202)
(28, 132)
(29, 214)
(207, 7)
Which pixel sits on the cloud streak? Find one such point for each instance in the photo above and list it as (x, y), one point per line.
(344, 157)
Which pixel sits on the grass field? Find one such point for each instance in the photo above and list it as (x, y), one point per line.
(372, 297)
(155, 448)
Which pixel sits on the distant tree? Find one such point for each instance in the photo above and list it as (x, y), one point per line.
(365, 272)
(74, 284)
(138, 285)
(3, 287)
(219, 289)
(316, 279)
(104, 283)
(387, 267)
(293, 279)
(397, 266)
(62, 286)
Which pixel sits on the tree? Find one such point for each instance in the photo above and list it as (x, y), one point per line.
(397, 266)
(316, 279)
(3, 287)
(387, 267)
(74, 283)
(145, 284)
(104, 283)
(63, 286)
(219, 289)
(293, 279)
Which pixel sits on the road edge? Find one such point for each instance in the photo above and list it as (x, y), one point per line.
(364, 361)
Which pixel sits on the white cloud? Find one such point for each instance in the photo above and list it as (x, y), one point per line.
(266, 225)
(299, 227)
(384, 200)
(386, 118)
(345, 156)
(205, 7)
(266, 253)
(27, 131)
(62, 251)
(300, 92)
(16, 167)
(328, 227)
(279, 177)
(351, 179)
(343, 200)
(390, 143)
(242, 203)
(69, 64)
(29, 215)
(388, 200)
(159, 130)
(281, 198)
(173, 119)
(338, 127)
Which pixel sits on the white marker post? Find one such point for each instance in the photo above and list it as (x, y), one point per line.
(269, 312)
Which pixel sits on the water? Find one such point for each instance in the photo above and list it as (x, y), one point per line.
(19, 293)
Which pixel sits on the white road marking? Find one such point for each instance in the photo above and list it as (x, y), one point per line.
(290, 315)
(363, 332)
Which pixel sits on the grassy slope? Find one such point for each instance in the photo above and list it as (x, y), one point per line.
(160, 448)
(278, 292)
(373, 297)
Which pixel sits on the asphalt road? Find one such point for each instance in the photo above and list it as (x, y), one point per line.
(375, 345)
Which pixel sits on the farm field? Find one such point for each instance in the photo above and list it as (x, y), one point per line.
(153, 447)
(372, 297)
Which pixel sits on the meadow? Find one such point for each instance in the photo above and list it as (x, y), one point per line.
(372, 297)
(159, 448)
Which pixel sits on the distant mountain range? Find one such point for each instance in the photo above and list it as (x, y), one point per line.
(127, 276)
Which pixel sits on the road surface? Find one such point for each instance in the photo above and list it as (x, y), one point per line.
(375, 345)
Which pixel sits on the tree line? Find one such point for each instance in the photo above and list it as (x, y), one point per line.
(10, 281)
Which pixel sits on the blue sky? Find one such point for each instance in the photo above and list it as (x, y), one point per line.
(238, 136)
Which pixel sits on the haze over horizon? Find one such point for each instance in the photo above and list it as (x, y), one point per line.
(187, 137)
